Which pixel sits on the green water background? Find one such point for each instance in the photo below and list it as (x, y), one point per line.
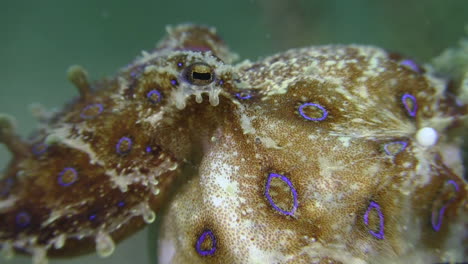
(39, 40)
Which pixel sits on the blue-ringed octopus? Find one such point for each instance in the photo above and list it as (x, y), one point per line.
(325, 154)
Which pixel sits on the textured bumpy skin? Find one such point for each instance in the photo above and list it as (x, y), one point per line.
(330, 154)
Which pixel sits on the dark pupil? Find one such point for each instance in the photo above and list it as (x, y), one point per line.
(204, 76)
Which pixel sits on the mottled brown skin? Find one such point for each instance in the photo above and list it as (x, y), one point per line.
(207, 135)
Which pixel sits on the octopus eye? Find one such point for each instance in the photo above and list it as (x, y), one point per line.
(199, 74)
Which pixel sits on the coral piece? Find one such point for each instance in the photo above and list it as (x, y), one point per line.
(328, 154)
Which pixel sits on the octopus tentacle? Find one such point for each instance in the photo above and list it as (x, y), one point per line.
(106, 163)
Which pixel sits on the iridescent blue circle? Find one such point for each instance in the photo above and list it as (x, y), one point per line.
(92, 217)
(122, 140)
(304, 115)
(411, 110)
(121, 204)
(403, 144)
(174, 82)
(83, 114)
(150, 95)
(133, 74)
(436, 220)
(39, 148)
(291, 187)
(23, 219)
(201, 239)
(243, 96)
(411, 64)
(62, 173)
(148, 149)
(380, 233)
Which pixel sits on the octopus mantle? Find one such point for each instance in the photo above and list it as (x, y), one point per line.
(329, 154)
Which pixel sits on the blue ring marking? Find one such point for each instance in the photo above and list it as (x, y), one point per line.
(5, 190)
(376, 206)
(62, 173)
(436, 226)
(403, 144)
(148, 149)
(180, 64)
(245, 97)
(137, 71)
(411, 112)
(174, 82)
(293, 191)
(411, 65)
(151, 93)
(92, 217)
(200, 241)
(119, 144)
(324, 112)
(85, 116)
(23, 219)
(121, 204)
(39, 148)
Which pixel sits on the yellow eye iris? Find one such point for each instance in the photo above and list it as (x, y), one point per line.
(199, 74)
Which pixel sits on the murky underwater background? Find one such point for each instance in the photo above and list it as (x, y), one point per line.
(39, 40)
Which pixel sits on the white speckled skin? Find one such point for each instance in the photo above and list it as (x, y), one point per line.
(336, 165)
(307, 156)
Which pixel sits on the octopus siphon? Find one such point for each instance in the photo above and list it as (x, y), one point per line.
(325, 154)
